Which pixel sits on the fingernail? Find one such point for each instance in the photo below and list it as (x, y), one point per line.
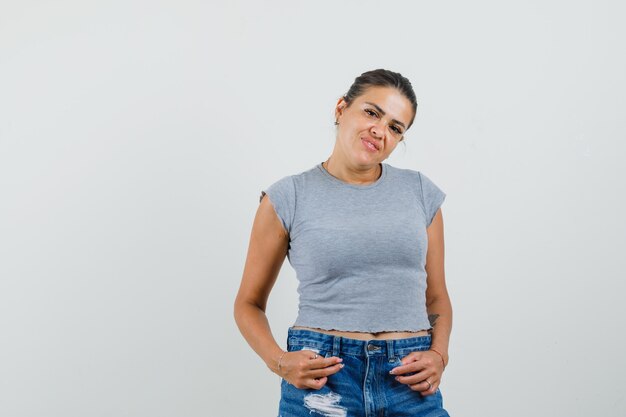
(340, 360)
(341, 365)
(392, 371)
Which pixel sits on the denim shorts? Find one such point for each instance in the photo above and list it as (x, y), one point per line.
(363, 387)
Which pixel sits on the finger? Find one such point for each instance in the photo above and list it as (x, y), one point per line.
(322, 362)
(415, 378)
(320, 372)
(409, 367)
(316, 383)
(312, 354)
(419, 387)
(424, 387)
(421, 360)
(416, 367)
(430, 391)
(412, 357)
(403, 370)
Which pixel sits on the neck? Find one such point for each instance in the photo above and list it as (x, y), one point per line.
(352, 176)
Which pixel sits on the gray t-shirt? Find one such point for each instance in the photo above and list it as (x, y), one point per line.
(359, 251)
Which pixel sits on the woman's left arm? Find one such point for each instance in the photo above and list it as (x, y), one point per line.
(428, 366)
(437, 299)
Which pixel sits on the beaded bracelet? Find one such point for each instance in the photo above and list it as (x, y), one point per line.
(439, 353)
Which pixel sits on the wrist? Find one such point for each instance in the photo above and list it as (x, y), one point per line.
(444, 357)
(275, 362)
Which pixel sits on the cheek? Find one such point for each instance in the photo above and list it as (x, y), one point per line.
(358, 126)
(390, 146)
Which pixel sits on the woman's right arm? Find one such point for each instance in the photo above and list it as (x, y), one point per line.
(266, 253)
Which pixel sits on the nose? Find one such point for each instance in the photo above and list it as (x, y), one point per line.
(377, 131)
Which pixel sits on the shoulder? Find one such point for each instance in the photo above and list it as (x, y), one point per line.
(283, 187)
(294, 182)
(410, 176)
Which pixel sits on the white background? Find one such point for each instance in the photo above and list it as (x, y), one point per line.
(136, 136)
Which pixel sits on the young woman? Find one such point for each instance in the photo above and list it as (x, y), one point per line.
(366, 241)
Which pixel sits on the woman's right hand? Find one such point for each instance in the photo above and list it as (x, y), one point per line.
(303, 370)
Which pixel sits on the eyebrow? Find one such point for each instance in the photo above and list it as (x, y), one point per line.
(383, 113)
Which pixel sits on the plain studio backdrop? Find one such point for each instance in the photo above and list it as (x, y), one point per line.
(136, 137)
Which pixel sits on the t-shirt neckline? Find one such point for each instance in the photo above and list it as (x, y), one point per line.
(354, 186)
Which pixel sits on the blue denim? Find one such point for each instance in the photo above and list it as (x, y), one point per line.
(363, 387)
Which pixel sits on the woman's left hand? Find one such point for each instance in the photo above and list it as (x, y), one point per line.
(428, 369)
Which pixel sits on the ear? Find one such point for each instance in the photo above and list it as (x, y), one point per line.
(339, 107)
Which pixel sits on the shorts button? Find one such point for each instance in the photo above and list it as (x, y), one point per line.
(373, 347)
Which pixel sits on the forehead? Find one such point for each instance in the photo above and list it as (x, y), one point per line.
(390, 100)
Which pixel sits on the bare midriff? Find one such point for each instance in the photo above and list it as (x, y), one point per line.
(367, 336)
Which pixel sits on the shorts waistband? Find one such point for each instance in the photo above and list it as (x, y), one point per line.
(331, 345)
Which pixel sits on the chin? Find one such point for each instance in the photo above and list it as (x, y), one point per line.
(368, 160)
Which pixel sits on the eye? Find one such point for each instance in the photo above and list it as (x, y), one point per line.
(371, 112)
(398, 131)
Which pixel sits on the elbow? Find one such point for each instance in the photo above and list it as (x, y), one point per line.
(243, 307)
(439, 300)
(238, 309)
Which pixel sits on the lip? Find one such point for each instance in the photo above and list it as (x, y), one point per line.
(374, 144)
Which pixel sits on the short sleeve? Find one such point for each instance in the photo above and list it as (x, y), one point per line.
(432, 197)
(282, 195)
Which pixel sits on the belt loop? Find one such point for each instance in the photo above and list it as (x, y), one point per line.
(390, 352)
(336, 345)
